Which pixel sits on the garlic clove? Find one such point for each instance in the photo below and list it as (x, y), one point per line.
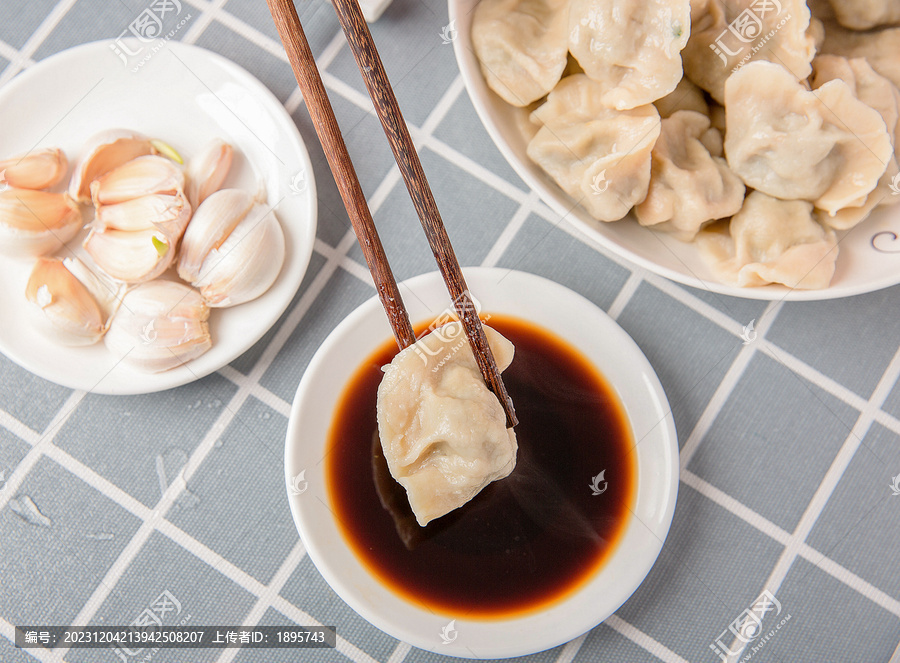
(105, 291)
(64, 307)
(36, 222)
(143, 176)
(207, 172)
(38, 169)
(247, 263)
(212, 223)
(104, 152)
(165, 212)
(160, 325)
(130, 256)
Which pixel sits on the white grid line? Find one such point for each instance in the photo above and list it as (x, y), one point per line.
(826, 487)
(643, 640)
(723, 391)
(22, 58)
(8, 631)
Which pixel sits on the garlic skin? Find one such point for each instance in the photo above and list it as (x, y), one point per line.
(104, 152)
(33, 223)
(247, 263)
(143, 176)
(207, 172)
(160, 325)
(212, 223)
(63, 307)
(38, 169)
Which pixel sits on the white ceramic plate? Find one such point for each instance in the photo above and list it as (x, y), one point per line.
(615, 355)
(185, 96)
(869, 256)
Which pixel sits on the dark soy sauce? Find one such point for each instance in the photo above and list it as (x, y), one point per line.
(525, 541)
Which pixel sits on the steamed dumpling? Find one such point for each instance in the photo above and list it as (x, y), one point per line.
(689, 187)
(882, 95)
(826, 146)
(442, 431)
(631, 47)
(772, 241)
(599, 156)
(522, 46)
(880, 48)
(866, 14)
(724, 34)
(685, 96)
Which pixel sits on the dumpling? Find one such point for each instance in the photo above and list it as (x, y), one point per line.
(688, 186)
(882, 95)
(631, 47)
(728, 34)
(522, 46)
(826, 146)
(866, 14)
(685, 96)
(879, 47)
(599, 156)
(772, 241)
(442, 431)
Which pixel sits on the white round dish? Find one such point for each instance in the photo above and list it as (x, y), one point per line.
(186, 96)
(869, 256)
(615, 355)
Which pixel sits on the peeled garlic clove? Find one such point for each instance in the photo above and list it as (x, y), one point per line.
(167, 213)
(102, 153)
(211, 225)
(39, 169)
(160, 325)
(143, 176)
(67, 311)
(130, 256)
(208, 171)
(36, 222)
(247, 263)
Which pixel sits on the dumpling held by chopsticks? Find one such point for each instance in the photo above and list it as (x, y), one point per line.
(443, 432)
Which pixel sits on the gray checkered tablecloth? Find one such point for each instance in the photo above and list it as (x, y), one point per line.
(789, 443)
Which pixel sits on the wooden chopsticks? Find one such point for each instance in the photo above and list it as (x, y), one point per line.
(310, 82)
(360, 39)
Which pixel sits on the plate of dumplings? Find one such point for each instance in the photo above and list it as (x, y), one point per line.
(744, 147)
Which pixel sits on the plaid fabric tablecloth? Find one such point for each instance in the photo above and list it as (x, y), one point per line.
(789, 443)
